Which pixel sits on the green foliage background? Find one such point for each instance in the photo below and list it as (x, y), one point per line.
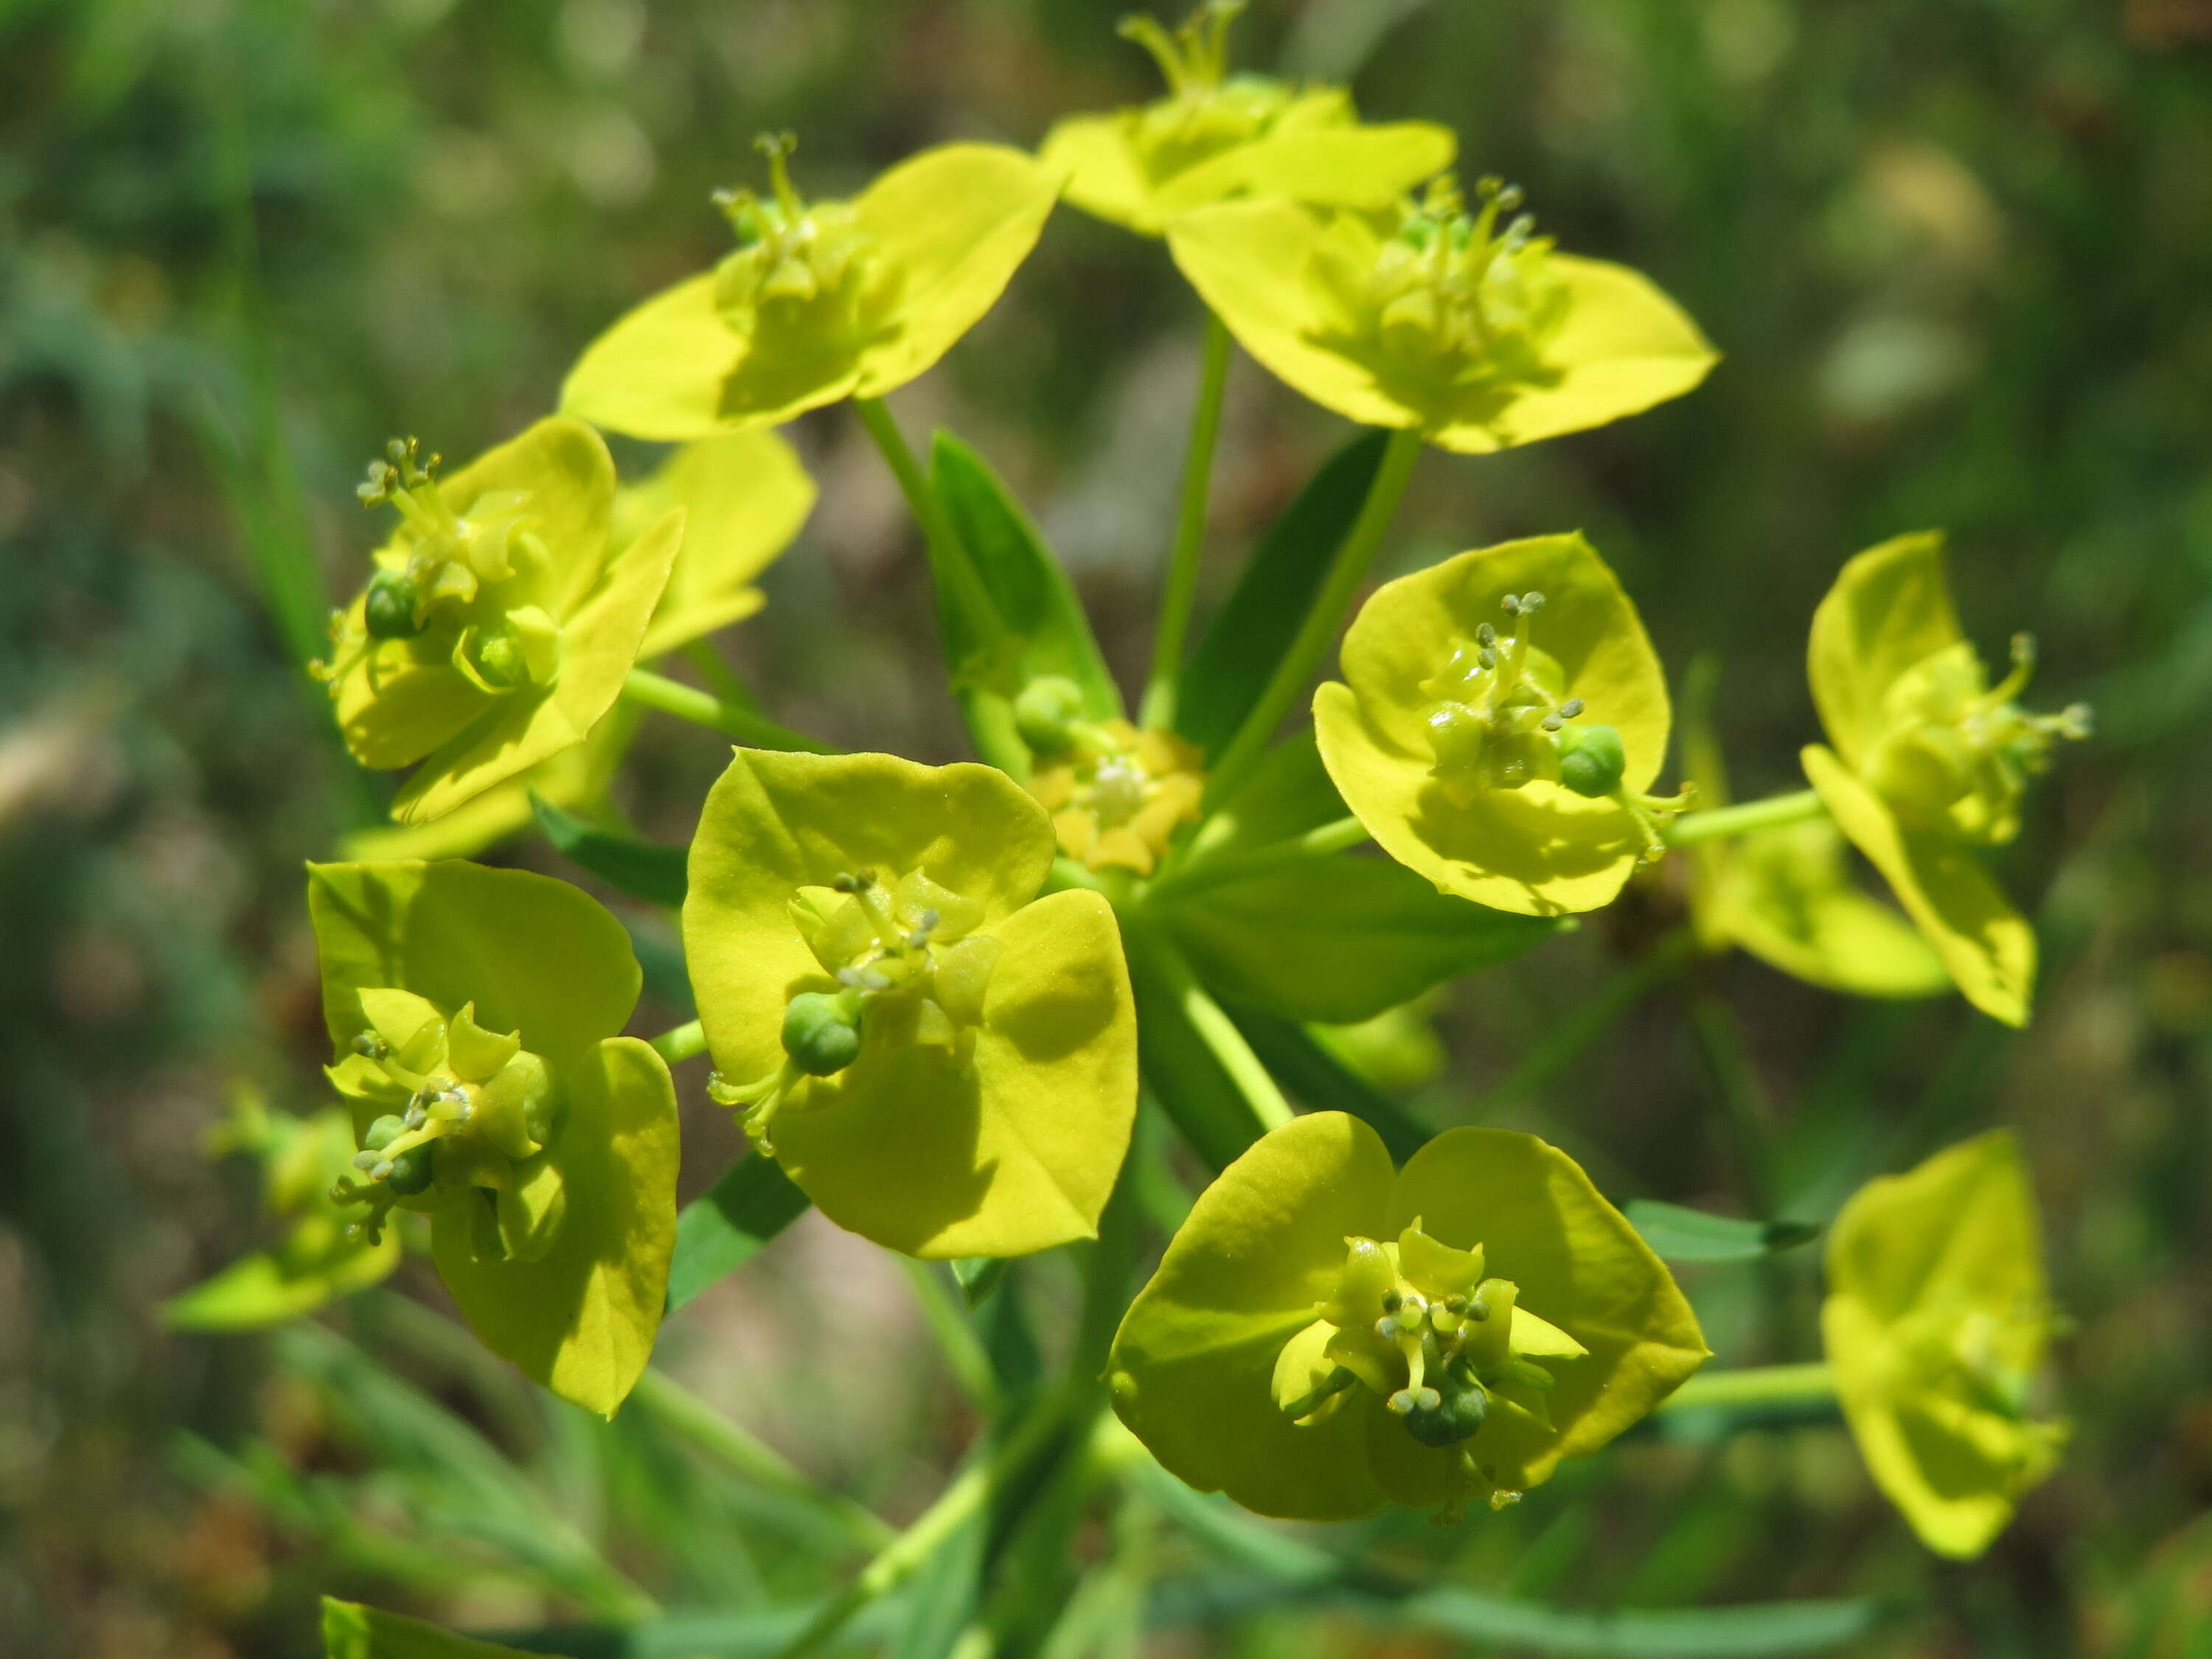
(1959, 255)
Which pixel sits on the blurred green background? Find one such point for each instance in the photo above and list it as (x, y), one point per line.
(1958, 256)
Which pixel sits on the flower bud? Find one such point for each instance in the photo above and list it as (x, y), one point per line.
(1591, 760)
(1044, 711)
(821, 1033)
(410, 1171)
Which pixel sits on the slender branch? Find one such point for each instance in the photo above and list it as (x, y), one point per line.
(1565, 1039)
(680, 1043)
(948, 554)
(1159, 701)
(758, 1462)
(703, 709)
(1326, 616)
(897, 1561)
(722, 679)
(1245, 1070)
(1750, 1114)
(1323, 841)
(1754, 1386)
(955, 1336)
(1770, 813)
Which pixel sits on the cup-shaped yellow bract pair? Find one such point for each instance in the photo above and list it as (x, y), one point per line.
(943, 1062)
(821, 300)
(1937, 1323)
(475, 1014)
(745, 497)
(497, 629)
(1929, 761)
(1218, 135)
(1503, 716)
(1326, 1334)
(1479, 336)
(319, 1258)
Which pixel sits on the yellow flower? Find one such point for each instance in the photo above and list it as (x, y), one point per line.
(1117, 795)
(1937, 1323)
(1216, 136)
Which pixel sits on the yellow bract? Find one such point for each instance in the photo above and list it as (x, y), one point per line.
(821, 302)
(1937, 1321)
(1449, 764)
(1475, 335)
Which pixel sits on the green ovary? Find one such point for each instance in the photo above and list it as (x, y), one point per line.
(1451, 301)
(471, 1117)
(806, 286)
(1957, 753)
(1419, 1324)
(903, 965)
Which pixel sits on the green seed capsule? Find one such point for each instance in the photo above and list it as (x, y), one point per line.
(1591, 760)
(410, 1171)
(820, 1034)
(1463, 1404)
(388, 609)
(382, 1133)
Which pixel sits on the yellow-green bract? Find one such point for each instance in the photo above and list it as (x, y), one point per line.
(1786, 895)
(477, 1012)
(1936, 1322)
(1475, 335)
(989, 1105)
(821, 302)
(744, 498)
(1257, 1304)
(1928, 762)
(1216, 136)
(517, 628)
(1449, 764)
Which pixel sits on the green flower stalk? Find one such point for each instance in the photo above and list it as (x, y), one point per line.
(497, 630)
(943, 1062)
(320, 1258)
(1466, 327)
(1930, 761)
(1326, 1334)
(1937, 1322)
(820, 300)
(476, 1016)
(1216, 136)
(1501, 721)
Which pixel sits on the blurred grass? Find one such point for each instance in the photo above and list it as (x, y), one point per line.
(1959, 259)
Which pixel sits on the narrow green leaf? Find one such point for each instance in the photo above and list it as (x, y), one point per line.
(722, 1228)
(642, 869)
(1686, 1235)
(1255, 625)
(1199, 1097)
(1324, 1082)
(1034, 596)
(980, 1276)
(1759, 1631)
(351, 1630)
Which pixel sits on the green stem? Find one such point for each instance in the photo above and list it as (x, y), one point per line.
(1214, 1028)
(1720, 821)
(1754, 1386)
(948, 554)
(703, 709)
(1159, 700)
(1326, 616)
(758, 1462)
(1327, 839)
(681, 1042)
(722, 679)
(1567, 1039)
(898, 1560)
(956, 1335)
(1750, 1116)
